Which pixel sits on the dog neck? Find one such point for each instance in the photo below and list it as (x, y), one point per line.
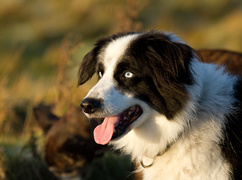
(147, 162)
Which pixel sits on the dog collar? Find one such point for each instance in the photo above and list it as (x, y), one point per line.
(147, 162)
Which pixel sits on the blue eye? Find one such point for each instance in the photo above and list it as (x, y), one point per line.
(128, 74)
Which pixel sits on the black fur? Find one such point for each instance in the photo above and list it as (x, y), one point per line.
(161, 69)
(231, 145)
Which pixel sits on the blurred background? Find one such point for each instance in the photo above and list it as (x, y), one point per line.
(43, 42)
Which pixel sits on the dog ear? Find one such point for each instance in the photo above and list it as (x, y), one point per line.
(89, 62)
(168, 61)
(87, 67)
(171, 65)
(44, 117)
(168, 64)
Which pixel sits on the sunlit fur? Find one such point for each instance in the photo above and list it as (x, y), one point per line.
(185, 115)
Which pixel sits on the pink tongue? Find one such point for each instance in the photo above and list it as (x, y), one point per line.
(104, 132)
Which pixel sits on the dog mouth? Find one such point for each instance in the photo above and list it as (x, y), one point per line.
(114, 127)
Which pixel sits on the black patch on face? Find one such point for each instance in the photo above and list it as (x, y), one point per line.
(161, 70)
(232, 143)
(141, 85)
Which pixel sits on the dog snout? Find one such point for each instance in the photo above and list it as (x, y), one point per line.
(90, 105)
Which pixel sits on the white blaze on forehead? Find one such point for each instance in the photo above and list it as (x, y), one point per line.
(114, 101)
(116, 49)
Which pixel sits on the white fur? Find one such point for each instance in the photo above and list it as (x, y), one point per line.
(174, 38)
(114, 51)
(194, 155)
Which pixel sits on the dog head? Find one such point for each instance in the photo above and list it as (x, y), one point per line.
(139, 74)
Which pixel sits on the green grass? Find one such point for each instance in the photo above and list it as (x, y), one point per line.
(20, 160)
(111, 166)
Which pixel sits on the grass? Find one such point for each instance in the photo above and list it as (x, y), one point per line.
(23, 160)
(111, 166)
(22, 166)
(20, 163)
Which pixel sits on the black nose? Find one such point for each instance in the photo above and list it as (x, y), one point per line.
(90, 105)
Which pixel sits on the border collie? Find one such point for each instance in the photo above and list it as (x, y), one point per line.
(177, 117)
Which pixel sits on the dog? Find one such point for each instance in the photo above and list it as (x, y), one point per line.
(69, 147)
(232, 60)
(178, 117)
